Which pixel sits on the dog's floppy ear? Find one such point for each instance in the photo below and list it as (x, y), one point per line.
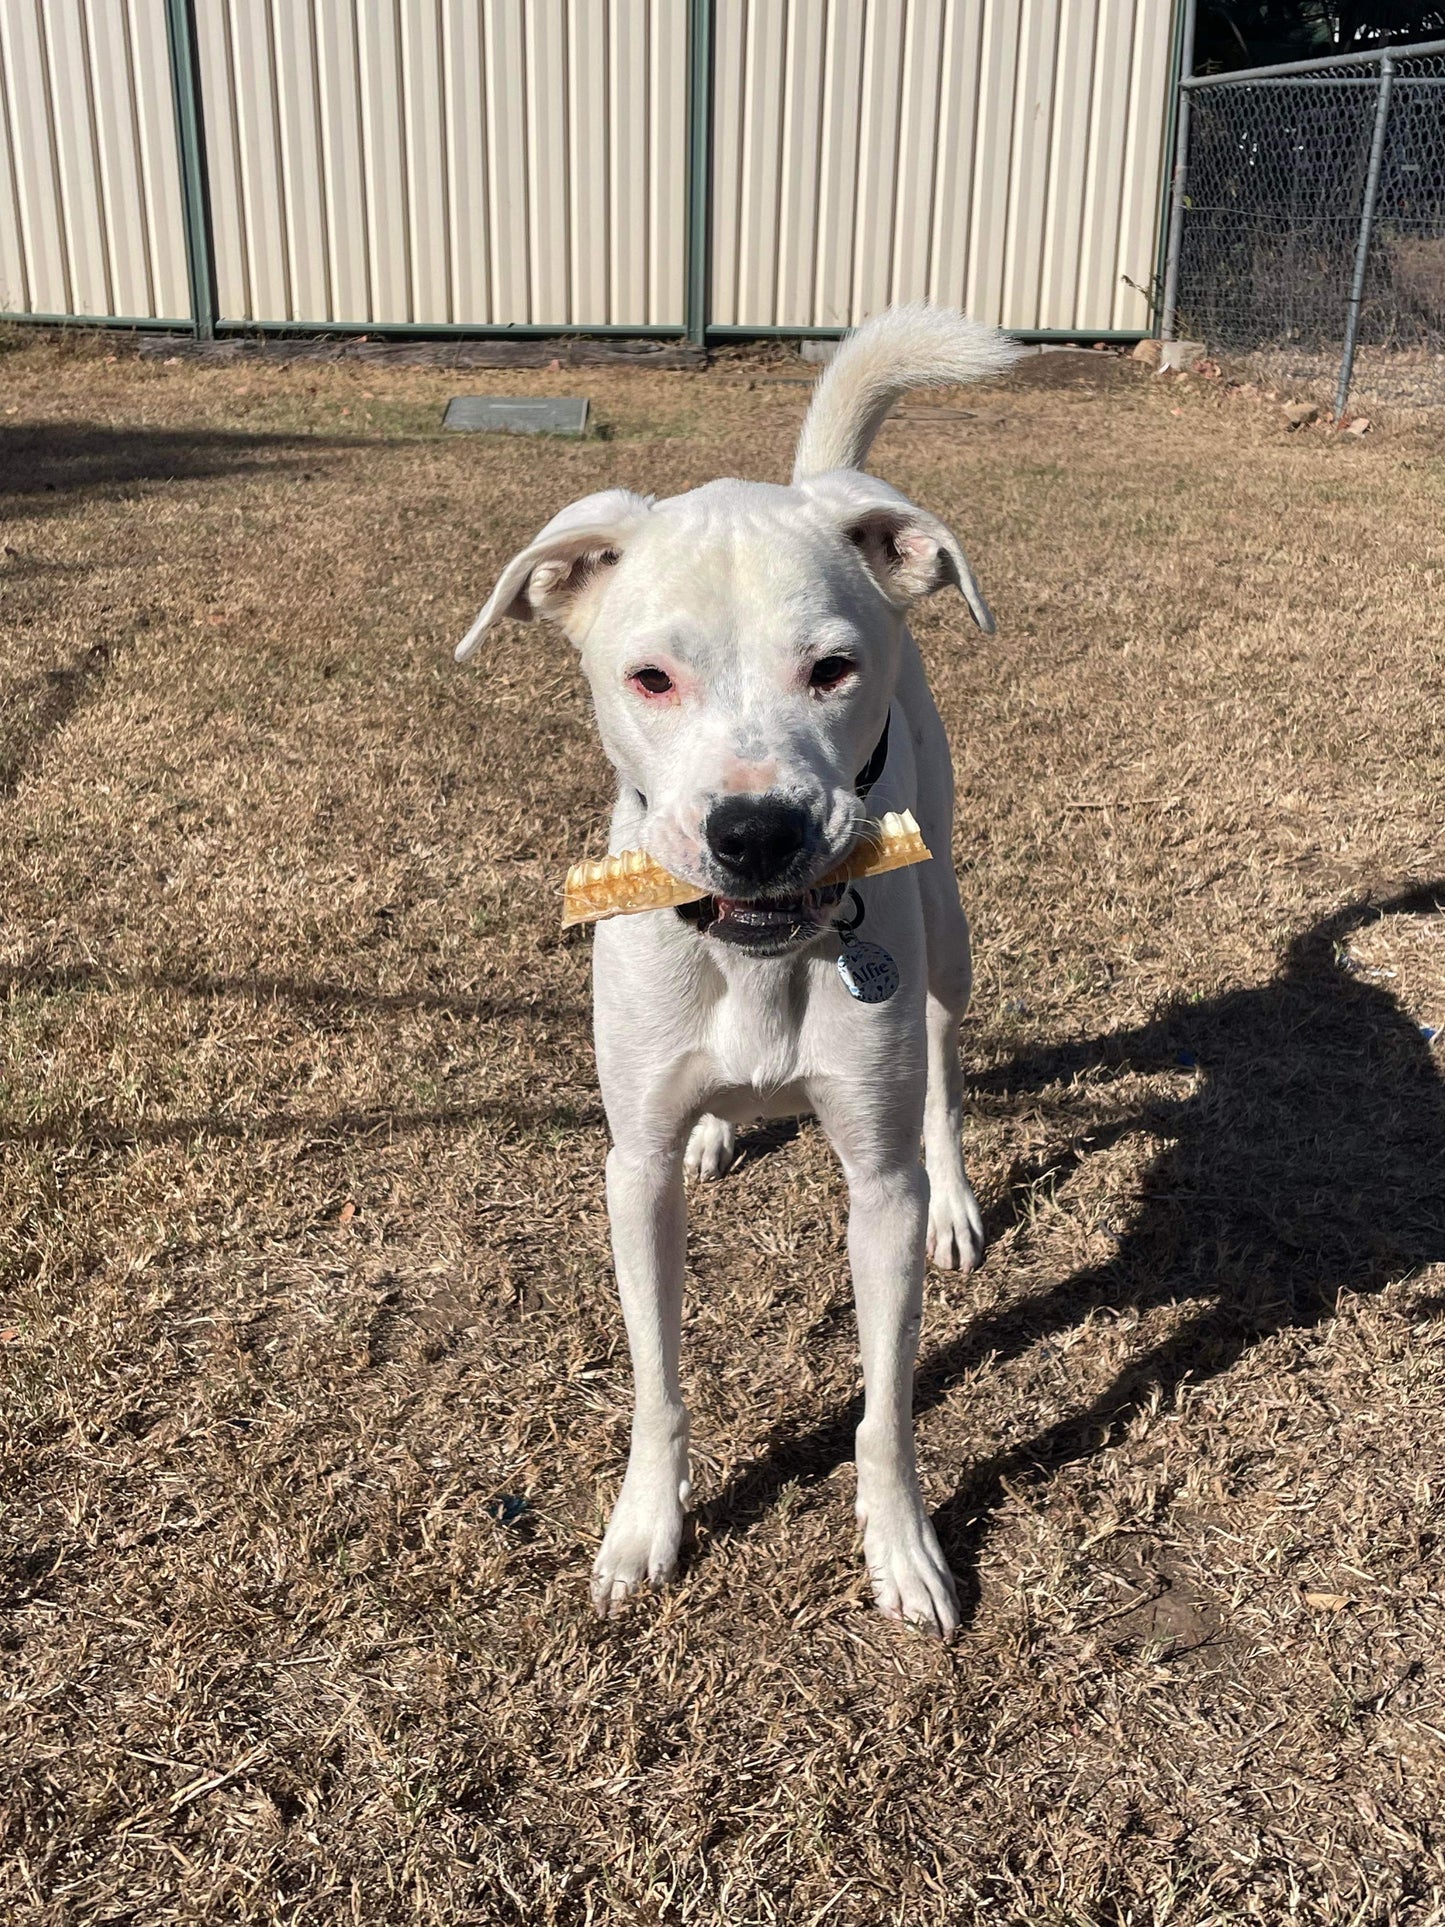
(909, 553)
(574, 549)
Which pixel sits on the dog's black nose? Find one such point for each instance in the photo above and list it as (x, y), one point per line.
(757, 839)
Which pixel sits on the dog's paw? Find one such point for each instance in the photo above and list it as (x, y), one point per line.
(910, 1576)
(640, 1547)
(711, 1148)
(955, 1228)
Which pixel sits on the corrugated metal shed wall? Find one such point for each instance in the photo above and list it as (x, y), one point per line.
(1004, 156)
(90, 194)
(492, 162)
(447, 161)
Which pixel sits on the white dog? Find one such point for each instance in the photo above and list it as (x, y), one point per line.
(754, 680)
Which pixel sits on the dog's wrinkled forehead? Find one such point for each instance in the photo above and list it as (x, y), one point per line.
(733, 564)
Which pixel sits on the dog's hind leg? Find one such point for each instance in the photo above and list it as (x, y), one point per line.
(955, 1229)
(711, 1148)
(647, 1210)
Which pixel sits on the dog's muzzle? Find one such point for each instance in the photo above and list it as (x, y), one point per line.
(768, 845)
(764, 846)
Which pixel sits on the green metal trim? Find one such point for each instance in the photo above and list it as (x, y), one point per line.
(152, 323)
(772, 331)
(775, 332)
(1178, 55)
(521, 331)
(699, 166)
(1081, 336)
(190, 139)
(454, 330)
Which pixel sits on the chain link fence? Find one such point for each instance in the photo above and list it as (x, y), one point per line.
(1309, 211)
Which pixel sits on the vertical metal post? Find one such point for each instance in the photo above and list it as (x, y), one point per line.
(195, 196)
(1170, 306)
(699, 166)
(1367, 228)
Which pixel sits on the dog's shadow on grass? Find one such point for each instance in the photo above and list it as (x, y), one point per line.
(766, 1140)
(1308, 1160)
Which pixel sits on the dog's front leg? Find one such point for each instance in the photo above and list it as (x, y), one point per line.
(646, 1207)
(887, 1224)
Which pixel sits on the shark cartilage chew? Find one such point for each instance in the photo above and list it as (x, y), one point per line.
(892, 843)
(617, 886)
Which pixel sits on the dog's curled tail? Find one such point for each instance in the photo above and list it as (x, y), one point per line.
(916, 346)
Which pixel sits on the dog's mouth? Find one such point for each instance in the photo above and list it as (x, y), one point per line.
(765, 926)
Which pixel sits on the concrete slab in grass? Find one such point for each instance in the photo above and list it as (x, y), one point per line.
(517, 414)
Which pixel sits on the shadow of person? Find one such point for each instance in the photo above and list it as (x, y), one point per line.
(1307, 1160)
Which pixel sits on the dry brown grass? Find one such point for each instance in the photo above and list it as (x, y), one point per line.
(314, 1384)
(1388, 383)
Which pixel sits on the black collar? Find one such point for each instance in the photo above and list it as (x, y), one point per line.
(873, 768)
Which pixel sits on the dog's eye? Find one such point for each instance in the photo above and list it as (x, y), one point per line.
(652, 682)
(829, 671)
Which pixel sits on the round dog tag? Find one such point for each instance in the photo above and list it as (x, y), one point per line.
(868, 972)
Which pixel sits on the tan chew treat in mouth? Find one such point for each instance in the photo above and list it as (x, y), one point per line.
(616, 886)
(892, 843)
